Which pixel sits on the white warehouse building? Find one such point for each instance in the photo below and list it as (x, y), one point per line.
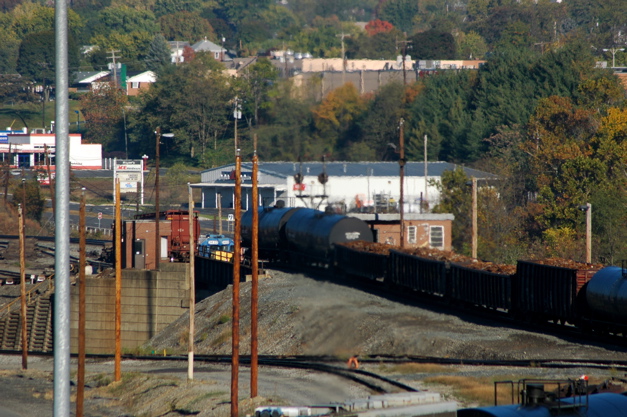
(28, 150)
(361, 186)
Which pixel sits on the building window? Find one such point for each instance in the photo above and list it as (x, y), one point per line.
(217, 55)
(134, 84)
(436, 237)
(411, 234)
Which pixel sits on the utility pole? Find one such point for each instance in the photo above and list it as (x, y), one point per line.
(192, 286)
(80, 374)
(22, 215)
(342, 36)
(588, 209)
(237, 114)
(254, 302)
(404, 53)
(474, 218)
(113, 57)
(401, 163)
(44, 66)
(7, 175)
(236, 275)
(157, 231)
(118, 284)
(426, 199)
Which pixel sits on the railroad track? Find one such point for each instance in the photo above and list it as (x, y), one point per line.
(370, 380)
(95, 242)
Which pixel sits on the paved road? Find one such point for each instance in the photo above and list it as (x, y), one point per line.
(29, 394)
(207, 224)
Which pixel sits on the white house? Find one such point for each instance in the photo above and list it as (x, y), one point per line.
(28, 150)
(362, 186)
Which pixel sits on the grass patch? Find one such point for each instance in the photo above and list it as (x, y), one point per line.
(124, 385)
(101, 380)
(207, 396)
(225, 318)
(223, 338)
(183, 338)
(475, 390)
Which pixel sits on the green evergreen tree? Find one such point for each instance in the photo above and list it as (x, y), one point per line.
(159, 54)
(36, 56)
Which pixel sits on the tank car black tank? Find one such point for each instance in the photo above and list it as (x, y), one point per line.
(313, 233)
(606, 294)
(271, 227)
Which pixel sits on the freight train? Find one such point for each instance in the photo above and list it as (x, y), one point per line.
(302, 236)
(582, 295)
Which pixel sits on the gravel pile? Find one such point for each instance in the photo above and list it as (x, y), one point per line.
(299, 315)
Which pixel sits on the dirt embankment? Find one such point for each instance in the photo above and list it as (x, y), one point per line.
(301, 315)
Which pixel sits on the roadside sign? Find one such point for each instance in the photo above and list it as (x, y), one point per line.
(100, 215)
(231, 218)
(130, 174)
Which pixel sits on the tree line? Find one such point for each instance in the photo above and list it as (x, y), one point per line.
(539, 113)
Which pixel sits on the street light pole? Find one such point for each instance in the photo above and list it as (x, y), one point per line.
(613, 51)
(78, 121)
(158, 136)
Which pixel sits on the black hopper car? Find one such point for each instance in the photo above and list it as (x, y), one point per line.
(583, 295)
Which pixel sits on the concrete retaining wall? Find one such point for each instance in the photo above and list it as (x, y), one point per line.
(150, 301)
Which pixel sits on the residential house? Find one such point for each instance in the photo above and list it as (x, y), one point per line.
(86, 81)
(219, 52)
(137, 83)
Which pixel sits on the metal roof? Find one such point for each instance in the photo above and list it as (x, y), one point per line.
(87, 77)
(358, 169)
(146, 76)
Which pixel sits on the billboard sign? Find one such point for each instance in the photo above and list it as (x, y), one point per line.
(130, 174)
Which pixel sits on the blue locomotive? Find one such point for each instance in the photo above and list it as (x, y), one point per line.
(218, 247)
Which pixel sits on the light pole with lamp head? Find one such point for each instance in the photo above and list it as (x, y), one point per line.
(78, 121)
(613, 51)
(158, 136)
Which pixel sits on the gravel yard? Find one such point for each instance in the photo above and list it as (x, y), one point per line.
(298, 316)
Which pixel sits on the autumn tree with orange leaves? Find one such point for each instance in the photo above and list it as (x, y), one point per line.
(576, 155)
(335, 116)
(103, 111)
(378, 26)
